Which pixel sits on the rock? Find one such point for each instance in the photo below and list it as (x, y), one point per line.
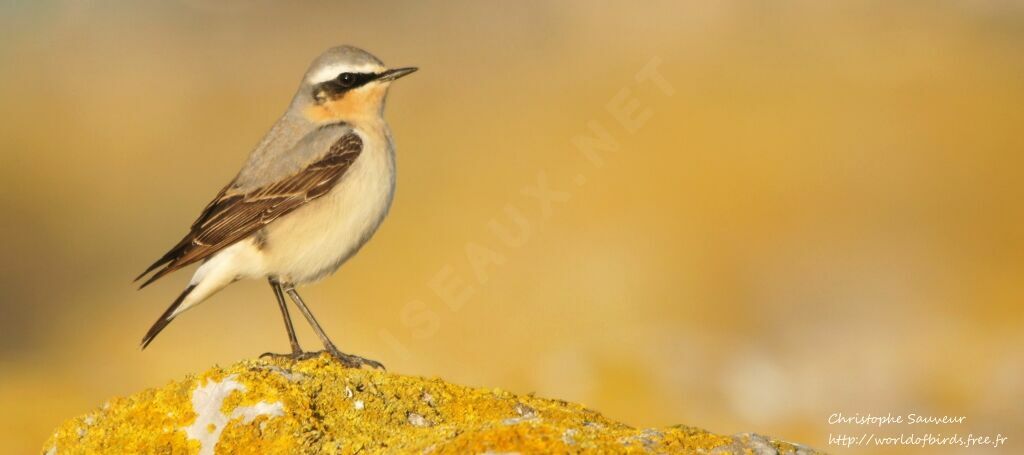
(317, 407)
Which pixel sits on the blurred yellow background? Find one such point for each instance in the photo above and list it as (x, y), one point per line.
(818, 210)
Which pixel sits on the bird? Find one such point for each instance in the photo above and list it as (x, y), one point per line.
(310, 195)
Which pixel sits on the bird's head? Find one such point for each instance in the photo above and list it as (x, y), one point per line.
(346, 84)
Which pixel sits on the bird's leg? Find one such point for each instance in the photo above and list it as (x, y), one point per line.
(348, 360)
(296, 349)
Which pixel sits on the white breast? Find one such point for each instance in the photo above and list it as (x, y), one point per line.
(313, 241)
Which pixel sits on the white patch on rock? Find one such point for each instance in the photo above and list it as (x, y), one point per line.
(359, 404)
(250, 413)
(207, 401)
(417, 420)
(525, 411)
(567, 436)
(525, 414)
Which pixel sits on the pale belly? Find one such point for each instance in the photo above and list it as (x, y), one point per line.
(313, 241)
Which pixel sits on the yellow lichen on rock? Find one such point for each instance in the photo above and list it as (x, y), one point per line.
(318, 407)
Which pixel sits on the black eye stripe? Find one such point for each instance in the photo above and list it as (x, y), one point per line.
(354, 79)
(343, 83)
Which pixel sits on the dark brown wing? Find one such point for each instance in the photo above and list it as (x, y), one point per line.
(233, 217)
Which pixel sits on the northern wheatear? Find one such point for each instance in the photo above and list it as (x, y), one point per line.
(310, 195)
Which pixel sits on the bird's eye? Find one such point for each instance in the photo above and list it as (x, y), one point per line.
(347, 79)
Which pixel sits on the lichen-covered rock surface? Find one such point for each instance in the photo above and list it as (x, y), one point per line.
(318, 407)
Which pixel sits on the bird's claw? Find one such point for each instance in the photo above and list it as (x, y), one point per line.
(348, 360)
(294, 356)
(351, 360)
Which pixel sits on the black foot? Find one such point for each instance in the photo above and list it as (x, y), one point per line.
(294, 356)
(348, 360)
(352, 361)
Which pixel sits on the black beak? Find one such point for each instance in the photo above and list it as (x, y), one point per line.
(396, 73)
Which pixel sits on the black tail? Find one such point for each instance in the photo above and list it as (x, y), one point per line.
(165, 318)
(165, 261)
